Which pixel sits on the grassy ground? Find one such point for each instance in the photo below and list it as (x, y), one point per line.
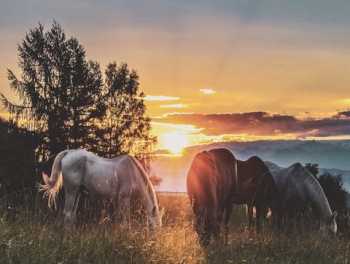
(27, 238)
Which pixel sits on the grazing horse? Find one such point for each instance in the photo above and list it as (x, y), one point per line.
(216, 180)
(299, 191)
(210, 184)
(117, 180)
(256, 188)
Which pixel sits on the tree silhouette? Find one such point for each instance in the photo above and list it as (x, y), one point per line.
(17, 158)
(65, 98)
(333, 188)
(58, 89)
(125, 127)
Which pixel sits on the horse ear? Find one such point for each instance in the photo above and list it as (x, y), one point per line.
(45, 177)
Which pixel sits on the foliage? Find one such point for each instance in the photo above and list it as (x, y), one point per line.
(333, 188)
(17, 159)
(125, 127)
(64, 97)
(59, 89)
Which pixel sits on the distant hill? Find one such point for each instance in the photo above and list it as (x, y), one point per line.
(332, 157)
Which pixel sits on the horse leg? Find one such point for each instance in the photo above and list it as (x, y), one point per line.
(227, 215)
(277, 218)
(70, 205)
(210, 225)
(250, 216)
(124, 209)
(259, 213)
(202, 226)
(218, 222)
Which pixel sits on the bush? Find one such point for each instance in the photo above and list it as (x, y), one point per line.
(17, 161)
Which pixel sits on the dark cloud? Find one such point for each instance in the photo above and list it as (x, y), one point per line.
(263, 123)
(345, 114)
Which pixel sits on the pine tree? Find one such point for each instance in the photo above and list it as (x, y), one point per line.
(65, 100)
(125, 127)
(59, 90)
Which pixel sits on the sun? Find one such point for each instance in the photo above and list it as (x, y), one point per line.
(175, 142)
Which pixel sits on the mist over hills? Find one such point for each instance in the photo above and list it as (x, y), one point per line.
(333, 156)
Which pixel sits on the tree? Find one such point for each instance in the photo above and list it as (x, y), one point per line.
(17, 161)
(333, 188)
(125, 127)
(59, 90)
(332, 185)
(65, 98)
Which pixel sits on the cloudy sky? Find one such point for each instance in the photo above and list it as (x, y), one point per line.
(208, 57)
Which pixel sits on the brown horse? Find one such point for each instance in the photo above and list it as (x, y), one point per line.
(210, 184)
(256, 188)
(216, 180)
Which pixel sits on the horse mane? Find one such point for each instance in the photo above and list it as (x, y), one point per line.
(310, 179)
(146, 180)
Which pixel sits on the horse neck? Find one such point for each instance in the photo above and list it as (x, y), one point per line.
(319, 199)
(150, 200)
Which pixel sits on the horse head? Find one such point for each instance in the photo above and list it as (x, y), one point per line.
(155, 217)
(329, 226)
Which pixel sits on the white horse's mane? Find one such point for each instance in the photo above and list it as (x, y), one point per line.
(146, 180)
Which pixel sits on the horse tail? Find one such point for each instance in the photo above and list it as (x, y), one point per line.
(53, 184)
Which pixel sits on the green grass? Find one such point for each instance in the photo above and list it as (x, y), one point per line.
(27, 238)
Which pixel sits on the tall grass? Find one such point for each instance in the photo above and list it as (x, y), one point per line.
(27, 236)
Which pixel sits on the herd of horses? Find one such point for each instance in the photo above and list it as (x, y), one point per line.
(216, 180)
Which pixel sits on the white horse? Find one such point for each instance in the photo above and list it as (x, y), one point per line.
(117, 180)
(297, 188)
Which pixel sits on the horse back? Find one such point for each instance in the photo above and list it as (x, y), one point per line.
(210, 179)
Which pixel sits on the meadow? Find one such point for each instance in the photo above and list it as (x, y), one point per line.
(30, 236)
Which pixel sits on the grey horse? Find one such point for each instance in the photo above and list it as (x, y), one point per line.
(298, 188)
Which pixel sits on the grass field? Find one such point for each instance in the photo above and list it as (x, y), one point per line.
(28, 238)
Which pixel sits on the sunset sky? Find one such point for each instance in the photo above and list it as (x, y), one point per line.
(289, 60)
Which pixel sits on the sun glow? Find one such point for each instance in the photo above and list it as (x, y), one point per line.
(174, 142)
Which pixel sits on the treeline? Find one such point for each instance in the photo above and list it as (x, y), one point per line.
(17, 158)
(66, 101)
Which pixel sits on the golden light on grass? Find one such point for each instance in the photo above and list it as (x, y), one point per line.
(175, 142)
